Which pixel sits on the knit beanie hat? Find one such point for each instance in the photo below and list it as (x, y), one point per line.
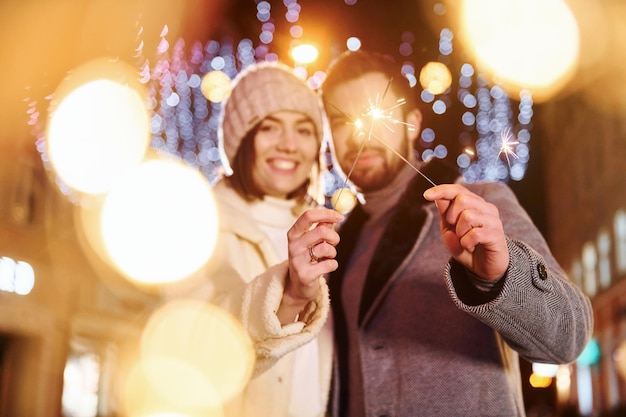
(256, 92)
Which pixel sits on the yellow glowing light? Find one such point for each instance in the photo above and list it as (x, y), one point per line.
(304, 53)
(160, 224)
(98, 126)
(525, 44)
(167, 414)
(563, 383)
(195, 335)
(166, 387)
(435, 77)
(538, 381)
(376, 113)
(619, 357)
(215, 86)
(343, 200)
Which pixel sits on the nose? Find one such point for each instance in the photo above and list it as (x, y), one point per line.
(288, 140)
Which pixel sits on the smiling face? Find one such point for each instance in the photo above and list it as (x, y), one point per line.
(286, 148)
(376, 165)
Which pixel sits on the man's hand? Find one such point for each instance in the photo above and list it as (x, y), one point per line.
(471, 229)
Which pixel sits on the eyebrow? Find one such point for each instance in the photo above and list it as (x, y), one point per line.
(302, 119)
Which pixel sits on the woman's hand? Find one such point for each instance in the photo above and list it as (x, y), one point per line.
(311, 246)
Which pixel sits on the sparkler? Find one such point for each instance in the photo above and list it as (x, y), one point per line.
(506, 145)
(375, 113)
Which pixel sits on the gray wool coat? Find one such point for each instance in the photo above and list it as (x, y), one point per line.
(431, 343)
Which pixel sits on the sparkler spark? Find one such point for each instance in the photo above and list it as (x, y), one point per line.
(506, 145)
(374, 114)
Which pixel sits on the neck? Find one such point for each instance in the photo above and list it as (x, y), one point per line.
(380, 201)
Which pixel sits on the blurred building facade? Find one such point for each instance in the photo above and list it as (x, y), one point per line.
(584, 146)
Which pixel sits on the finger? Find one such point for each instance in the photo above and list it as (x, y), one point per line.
(444, 192)
(311, 217)
(482, 230)
(467, 220)
(318, 234)
(453, 192)
(321, 267)
(456, 200)
(472, 218)
(321, 251)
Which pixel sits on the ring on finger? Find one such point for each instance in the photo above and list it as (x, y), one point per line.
(314, 258)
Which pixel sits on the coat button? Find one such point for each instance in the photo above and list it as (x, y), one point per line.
(543, 272)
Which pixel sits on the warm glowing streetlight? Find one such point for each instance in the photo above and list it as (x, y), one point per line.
(98, 127)
(531, 45)
(304, 53)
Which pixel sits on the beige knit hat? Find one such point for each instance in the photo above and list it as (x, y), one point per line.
(256, 92)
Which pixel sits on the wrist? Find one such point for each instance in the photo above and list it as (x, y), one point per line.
(291, 304)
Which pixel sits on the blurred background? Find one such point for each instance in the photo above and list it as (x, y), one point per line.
(108, 128)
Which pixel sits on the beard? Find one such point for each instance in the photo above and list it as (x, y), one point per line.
(369, 179)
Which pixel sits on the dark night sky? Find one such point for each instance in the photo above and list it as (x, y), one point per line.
(379, 24)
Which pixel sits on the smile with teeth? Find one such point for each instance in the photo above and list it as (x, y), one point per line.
(284, 164)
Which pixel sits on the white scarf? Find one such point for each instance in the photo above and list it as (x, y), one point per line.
(275, 217)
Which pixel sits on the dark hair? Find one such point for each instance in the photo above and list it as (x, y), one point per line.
(354, 64)
(242, 179)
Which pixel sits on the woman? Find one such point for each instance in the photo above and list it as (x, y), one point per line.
(275, 245)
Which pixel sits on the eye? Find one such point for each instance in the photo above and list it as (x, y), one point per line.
(268, 126)
(306, 129)
(339, 121)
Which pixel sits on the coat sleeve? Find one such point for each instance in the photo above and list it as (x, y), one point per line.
(254, 301)
(261, 299)
(537, 309)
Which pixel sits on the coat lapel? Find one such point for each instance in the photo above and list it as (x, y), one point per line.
(395, 244)
(401, 232)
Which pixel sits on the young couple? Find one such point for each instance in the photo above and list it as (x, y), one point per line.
(423, 306)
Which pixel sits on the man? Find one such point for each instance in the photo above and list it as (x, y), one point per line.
(439, 289)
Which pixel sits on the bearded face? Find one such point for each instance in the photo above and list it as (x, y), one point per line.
(365, 142)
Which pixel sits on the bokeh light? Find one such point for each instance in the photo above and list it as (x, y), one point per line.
(193, 356)
(160, 223)
(98, 125)
(16, 276)
(215, 86)
(353, 43)
(619, 358)
(531, 44)
(539, 381)
(545, 369)
(435, 77)
(164, 386)
(563, 383)
(590, 354)
(304, 53)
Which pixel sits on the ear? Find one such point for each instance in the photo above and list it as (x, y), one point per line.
(414, 120)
